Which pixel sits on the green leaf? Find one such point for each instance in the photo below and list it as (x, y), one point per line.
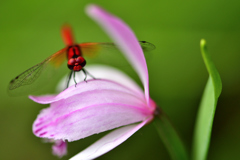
(170, 137)
(203, 127)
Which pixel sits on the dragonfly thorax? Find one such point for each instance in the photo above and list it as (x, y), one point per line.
(76, 63)
(73, 51)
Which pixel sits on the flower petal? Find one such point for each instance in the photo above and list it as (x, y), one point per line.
(123, 36)
(109, 141)
(102, 72)
(82, 87)
(59, 148)
(88, 113)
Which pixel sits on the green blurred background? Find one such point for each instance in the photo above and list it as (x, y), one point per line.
(30, 32)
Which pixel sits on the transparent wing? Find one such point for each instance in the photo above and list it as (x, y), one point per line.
(91, 49)
(108, 53)
(147, 46)
(27, 77)
(21, 83)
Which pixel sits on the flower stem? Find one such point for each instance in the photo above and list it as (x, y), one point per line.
(170, 137)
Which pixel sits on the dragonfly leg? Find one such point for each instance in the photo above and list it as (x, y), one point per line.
(69, 77)
(87, 73)
(74, 78)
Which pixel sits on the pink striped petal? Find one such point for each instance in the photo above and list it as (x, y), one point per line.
(114, 74)
(109, 141)
(123, 36)
(90, 112)
(84, 87)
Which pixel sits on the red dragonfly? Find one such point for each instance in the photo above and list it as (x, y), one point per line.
(73, 53)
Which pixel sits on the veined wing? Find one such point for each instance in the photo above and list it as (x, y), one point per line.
(147, 46)
(108, 53)
(32, 74)
(92, 48)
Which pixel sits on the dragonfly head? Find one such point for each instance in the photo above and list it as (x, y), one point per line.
(77, 63)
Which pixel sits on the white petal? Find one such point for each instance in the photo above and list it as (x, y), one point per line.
(102, 72)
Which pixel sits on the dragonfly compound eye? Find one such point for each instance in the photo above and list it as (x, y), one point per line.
(80, 60)
(76, 64)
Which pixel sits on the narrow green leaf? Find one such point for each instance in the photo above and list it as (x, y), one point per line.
(170, 137)
(203, 127)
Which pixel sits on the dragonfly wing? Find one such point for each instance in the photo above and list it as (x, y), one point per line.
(108, 53)
(58, 58)
(30, 76)
(27, 77)
(147, 46)
(91, 49)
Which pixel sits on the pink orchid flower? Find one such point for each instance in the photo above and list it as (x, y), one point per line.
(99, 105)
